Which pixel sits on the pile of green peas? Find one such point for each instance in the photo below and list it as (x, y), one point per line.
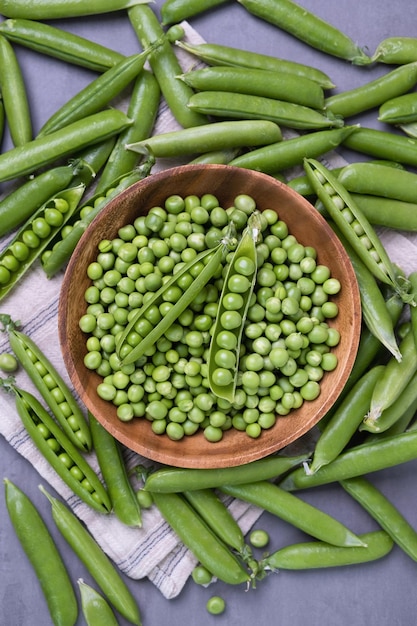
(286, 344)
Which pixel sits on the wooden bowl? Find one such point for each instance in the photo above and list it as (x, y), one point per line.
(304, 222)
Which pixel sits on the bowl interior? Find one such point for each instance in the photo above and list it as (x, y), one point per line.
(309, 228)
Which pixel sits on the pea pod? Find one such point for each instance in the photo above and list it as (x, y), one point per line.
(383, 145)
(379, 180)
(388, 212)
(399, 110)
(220, 157)
(228, 104)
(410, 129)
(317, 554)
(60, 250)
(215, 136)
(66, 141)
(353, 224)
(174, 480)
(97, 94)
(413, 310)
(307, 27)
(95, 609)
(60, 44)
(175, 11)
(95, 560)
(33, 237)
(58, 450)
(203, 543)
(216, 54)
(109, 455)
(396, 50)
(52, 387)
(226, 339)
(37, 542)
(56, 9)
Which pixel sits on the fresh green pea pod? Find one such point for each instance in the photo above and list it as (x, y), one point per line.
(395, 411)
(353, 224)
(57, 9)
(247, 106)
(59, 452)
(44, 150)
(399, 110)
(374, 93)
(318, 554)
(295, 511)
(384, 512)
(33, 237)
(143, 109)
(218, 517)
(175, 11)
(409, 129)
(109, 455)
(23, 201)
(95, 560)
(396, 50)
(308, 27)
(214, 136)
(197, 536)
(43, 555)
(164, 65)
(15, 99)
(383, 144)
(356, 461)
(1, 117)
(53, 389)
(220, 157)
(174, 479)
(283, 155)
(395, 378)
(388, 212)
(223, 359)
(258, 82)
(60, 44)
(402, 424)
(60, 250)
(97, 94)
(379, 180)
(96, 610)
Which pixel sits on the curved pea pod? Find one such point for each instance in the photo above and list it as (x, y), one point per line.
(396, 50)
(318, 554)
(59, 44)
(34, 236)
(221, 157)
(53, 389)
(307, 27)
(125, 505)
(241, 274)
(95, 560)
(15, 99)
(60, 453)
(43, 555)
(399, 110)
(96, 610)
(197, 536)
(56, 9)
(60, 250)
(215, 136)
(353, 224)
(174, 479)
(175, 11)
(379, 180)
(230, 105)
(42, 151)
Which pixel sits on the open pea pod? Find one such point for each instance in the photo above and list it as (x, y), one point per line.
(34, 236)
(234, 303)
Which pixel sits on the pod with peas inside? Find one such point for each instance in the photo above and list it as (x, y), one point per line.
(146, 316)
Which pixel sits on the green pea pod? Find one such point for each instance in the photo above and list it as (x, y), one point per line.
(221, 157)
(383, 144)
(95, 609)
(379, 180)
(295, 511)
(410, 129)
(222, 379)
(307, 27)
(59, 452)
(1, 117)
(175, 11)
(174, 479)
(43, 555)
(197, 536)
(230, 105)
(56, 9)
(95, 560)
(33, 237)
(399, 110)
(61, 249)
(388, 212)
(353, 225)
(413, 310)
(44, 150)
(125, 505)
(318, 554)
(15, 99)
(60, 44)
(53, 389)
(97, 94)
(396, 50)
